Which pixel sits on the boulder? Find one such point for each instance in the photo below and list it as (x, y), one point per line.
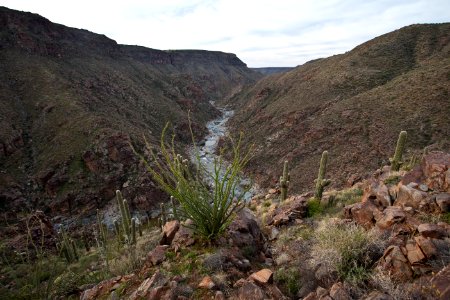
(250, 291)
(377, 192)
(435, 168)
(244, 230)
(157, 255)
(427, 246)
(263, 276)
(157, 280)
(105, 287)
(391, 215)
(396, 264)
(169, 231)
(410, 197)
(443, 201)
(363, 213)
(184, 236)
(292, 209)
(414, 253)
(432, 231)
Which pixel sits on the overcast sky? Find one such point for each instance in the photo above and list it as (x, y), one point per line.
(262, 33)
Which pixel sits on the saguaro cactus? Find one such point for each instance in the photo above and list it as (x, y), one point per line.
(125, 214)
(396, 161)
(284, 181)
(321, 183)
(133, 231)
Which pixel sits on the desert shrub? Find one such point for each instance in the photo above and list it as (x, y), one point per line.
(348, 249)
(211, 208)
(288, 279)
(314, 207)
(392, 180)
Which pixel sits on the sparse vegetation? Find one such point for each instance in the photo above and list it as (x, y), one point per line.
(288, 279)
(284, 181)
(396, 160)
(348, 249)
(211, 208)
(321, 182)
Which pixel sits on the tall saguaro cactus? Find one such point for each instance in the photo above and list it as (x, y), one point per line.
(284, 181)
(125, 214)
(321, 183)
(396, 161)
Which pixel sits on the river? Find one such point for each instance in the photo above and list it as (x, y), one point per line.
(217, 128)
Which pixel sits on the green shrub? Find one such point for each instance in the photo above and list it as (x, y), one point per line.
(211, 208)
(392, 180)
(288, 280)
(314, 207)
(347, 248)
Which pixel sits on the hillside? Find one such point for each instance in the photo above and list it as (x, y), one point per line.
(72, 101)
(353, 105)
(272, 70)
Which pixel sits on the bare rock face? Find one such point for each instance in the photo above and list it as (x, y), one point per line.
(149, 284)
(263, 276)
(250, 291)
(410, 197)
(157, 255)
(169, 231)
(103, 288)
(391, 215)
(363, 213)
(293, 208)
(376, 295)
(435, 168)
(244, 230)
(338, 292)
(378, 193)
(432, 231)
(443, 201)
(396, 264)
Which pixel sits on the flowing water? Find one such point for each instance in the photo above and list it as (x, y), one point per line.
(207, 151)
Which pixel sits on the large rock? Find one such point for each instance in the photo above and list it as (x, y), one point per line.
(263, 276)
(184, 236)
(244, 230)
(396, 264)
(169, 231)
(435, 168)
(432, 231)
(338, 292)
(157, 280)
(410, 197)
(427, 246)
(376, 295)
(443, 201)
(293, 208)
(363, 213)
(377, 192)
(391, 215)
(157, 255)
(105, 287)
(414, 253)
(250, 291)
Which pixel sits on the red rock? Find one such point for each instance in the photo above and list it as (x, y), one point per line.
(435, 165)
(376, 192)
(394, 262)
(292, 209)
(206, 283)
(338, 292)
(391, 215)
(408, 196)
(263, 276)
(157, 255)
(426, 245)
(321, 292)
(104, 288)
(169, 231)
(441, 283)
(443, 201)
(273, 191)
(244, 230)
(157, 280)
(363, 213)
(432, 231)
(250, 291)
(414, 253)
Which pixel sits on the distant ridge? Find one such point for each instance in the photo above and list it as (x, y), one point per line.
(272, 70)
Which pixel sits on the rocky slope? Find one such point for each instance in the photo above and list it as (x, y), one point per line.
(353, 105)
(72, 101)
(272, 70)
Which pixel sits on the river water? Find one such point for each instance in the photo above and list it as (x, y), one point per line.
(207, 151)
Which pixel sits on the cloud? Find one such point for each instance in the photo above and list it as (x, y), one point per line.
(261, 33)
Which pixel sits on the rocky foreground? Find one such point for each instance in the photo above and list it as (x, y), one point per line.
(272, 250)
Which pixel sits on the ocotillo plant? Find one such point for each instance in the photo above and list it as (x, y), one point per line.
(321, 183)
(284, 181)
(396, 161)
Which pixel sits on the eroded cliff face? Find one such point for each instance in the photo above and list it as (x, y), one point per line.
(73, 103)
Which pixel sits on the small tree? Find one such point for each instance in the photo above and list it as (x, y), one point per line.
(210, 207)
